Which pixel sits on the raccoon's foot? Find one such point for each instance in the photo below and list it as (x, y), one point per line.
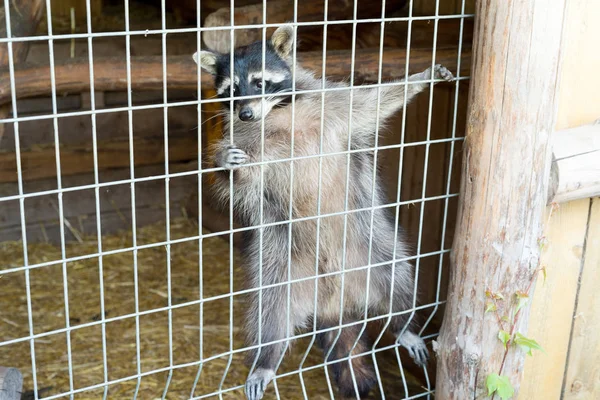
(416, 347)
(231, 157)
(441, 72)
(257, 383)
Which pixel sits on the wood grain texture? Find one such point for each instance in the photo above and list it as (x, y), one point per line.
(554, 301)
(504, 186)
(576, 164)
(40, 163)
(25, 15)
(282, 11)
(578, 99)
(72, 76)
(80, 206)
(583, 364)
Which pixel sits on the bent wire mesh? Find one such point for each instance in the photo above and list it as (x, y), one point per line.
(127, 273)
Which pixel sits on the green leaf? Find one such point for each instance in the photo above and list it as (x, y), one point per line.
(542, 242)
(505, 318)
(490, 307)
(544, 273)
(522, 299)
(492, 295)
(527, 344)
(500, 385)
(504, 337)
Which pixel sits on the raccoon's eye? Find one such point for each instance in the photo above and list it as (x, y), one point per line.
(259, 84)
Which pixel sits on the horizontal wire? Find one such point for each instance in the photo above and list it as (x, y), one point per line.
(237, 351)
(148, 32)
(220, 233)
(207, 170)
(223, 296)
(215, 100)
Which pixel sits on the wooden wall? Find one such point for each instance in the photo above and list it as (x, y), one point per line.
(565, 318)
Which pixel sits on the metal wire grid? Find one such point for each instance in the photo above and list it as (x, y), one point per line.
(27, 267)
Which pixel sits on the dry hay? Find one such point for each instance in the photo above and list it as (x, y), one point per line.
(47, 302)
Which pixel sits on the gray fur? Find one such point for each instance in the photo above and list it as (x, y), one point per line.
(275, 196)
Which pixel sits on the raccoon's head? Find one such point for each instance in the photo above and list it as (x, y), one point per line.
(248, 75)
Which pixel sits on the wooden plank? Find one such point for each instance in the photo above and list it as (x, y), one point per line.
(41, 163)
(556, 298)
(576, 165)
(80, 206)
(77, 130)
(584, 353)
(72, 76)
(578, 98)
(503, 189)
(25, 16)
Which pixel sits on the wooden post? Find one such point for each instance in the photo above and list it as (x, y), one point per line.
(503, 188)
(25, 16)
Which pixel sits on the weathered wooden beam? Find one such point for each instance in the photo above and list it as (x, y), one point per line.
(40, 163)
(575, 170)
(72, 76)
(25, 15)
(282, 11)
(503, 193)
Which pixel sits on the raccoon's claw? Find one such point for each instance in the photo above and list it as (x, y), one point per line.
(441, 72)
(231, 158)
(416, 348)
(256, 383)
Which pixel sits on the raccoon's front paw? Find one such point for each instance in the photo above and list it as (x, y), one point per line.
(416, 347)
(231, 157)
(441, 72)
(257, 383)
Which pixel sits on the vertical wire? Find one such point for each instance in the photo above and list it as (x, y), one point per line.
(319, 192)
(347, 189)
(97, 196)
(61, 214)
(449, 176)
(261, 196)
(374, 190)
(424, 189)
(133, 205)
(13, 92)
(262, 184)
(200, 200)
(231, 199)
(397, 211)
(291, 196)
(425, 165)
(167, 193)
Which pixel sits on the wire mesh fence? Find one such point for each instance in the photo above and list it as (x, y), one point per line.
(117, 270)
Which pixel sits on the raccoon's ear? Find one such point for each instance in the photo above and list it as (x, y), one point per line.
(208, 61)
(283, 40)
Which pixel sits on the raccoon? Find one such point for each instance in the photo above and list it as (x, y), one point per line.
(317, 270)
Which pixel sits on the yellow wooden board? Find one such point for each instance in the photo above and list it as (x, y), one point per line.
(554, 305)
(554, 301)
(583, 366)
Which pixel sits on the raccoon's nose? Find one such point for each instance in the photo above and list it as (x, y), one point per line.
(246, 114)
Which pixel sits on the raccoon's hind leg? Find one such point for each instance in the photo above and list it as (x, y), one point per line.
(342, 370)
(403, 301)
(273, 328)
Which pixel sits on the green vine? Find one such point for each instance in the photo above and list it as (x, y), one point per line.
(507, 314)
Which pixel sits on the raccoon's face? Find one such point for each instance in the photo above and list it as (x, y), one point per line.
(248, 75)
